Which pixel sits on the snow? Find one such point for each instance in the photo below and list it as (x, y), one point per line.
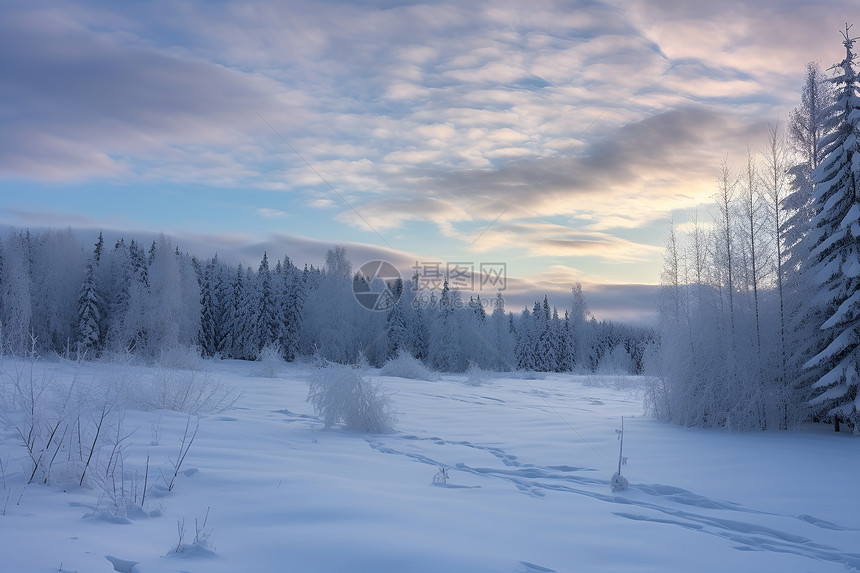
(528, 463)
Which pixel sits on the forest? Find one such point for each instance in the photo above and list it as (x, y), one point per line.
(152, 302)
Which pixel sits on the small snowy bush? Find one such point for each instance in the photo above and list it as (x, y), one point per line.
(475, 376)
(618, 482)
(340, 395)
(270, 360)
(404, 365)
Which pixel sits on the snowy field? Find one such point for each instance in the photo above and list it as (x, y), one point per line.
(528, 465)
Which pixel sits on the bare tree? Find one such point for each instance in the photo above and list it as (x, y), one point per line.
(753, 219)
(774, 180)
(726, 186)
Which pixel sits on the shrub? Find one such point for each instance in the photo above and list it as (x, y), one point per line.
(183, 391)
(404, 365)
(475, 376)
(270, 360)
(340, 395)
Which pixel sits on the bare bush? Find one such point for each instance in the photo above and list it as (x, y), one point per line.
(65, 427)
(199, 546)
(191, 392)
(340, 395)
(184, 445)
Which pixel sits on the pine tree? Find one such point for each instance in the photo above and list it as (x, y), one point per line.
(555, 342)
(116, 278)
(221, 275)
(809, 123)
(267, 310)
(99, 249)
(209, 307)
(132, 330)
(235, 339)
(545, 352)
(418, 329)
(835, 257)
(565, 355)
(90, 313)
(525, 349)
(578, 327)
(395, 324)
(445, 351)
(245, 338)
(293, 303)
(502, 351)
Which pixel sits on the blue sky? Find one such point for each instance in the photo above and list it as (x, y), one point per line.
(558, 137)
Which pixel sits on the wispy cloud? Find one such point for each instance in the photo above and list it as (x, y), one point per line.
(270, 213)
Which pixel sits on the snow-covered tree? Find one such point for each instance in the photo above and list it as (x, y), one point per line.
(171, 311)
(502, 353)
(211, 310)
(234, 337)
(267, 318)
(579, 334)
(444, 349)
(835, 256)
(292, 308)
(15, 306)
(395, 324)
(330, 318)
(90, 306)
(525, 347)
(809, 123)
(57, 265)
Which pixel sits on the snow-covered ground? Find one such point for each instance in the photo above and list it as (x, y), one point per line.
(528, 465)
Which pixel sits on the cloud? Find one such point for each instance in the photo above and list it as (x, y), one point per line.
(270, 213)
(48, 218)
(628, 178)
(559, 127)
(321, 203)
(88, 104)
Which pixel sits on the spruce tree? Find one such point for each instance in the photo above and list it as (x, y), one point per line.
(525, 349)
(292, 304)
(208, 308)
(445, 350)
(266, 311)
(88, 330)
(835, 256)
(395, 324)
(235, 339)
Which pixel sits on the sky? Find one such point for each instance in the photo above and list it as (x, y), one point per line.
(556, 138)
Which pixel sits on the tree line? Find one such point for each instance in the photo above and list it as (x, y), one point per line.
(129, 299)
